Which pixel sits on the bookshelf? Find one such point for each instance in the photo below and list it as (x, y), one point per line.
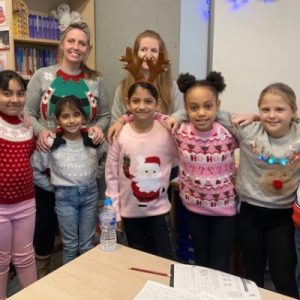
(42, 7)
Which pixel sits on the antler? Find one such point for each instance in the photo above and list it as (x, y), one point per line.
(158, 67)
(133, 66)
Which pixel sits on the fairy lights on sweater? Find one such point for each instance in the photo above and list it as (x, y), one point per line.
(292, 155)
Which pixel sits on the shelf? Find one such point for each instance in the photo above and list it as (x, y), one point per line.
(85, 7)
(36, 41)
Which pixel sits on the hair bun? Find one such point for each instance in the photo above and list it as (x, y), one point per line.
(217, 81)
(184, 81)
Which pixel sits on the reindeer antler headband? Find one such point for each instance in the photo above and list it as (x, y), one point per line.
(134, 65)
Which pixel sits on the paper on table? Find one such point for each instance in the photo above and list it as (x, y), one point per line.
(225, 286)
(153, 290)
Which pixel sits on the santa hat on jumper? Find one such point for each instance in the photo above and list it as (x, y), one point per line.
(152, 160)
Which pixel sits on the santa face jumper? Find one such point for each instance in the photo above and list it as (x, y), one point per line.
(137, 172)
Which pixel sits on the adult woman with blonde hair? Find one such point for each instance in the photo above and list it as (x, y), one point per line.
(147, 45)
(71, 76)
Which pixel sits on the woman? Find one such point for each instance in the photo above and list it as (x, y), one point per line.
(147, 45)
(70, 77)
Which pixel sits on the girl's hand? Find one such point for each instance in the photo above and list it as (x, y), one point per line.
(42, 143)
(119, 226)
(170, 123)
(25, 119)
(115, 129)
(242, 120)
(96, 134)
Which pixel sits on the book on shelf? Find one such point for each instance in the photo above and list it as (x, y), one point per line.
(41, 27)
(28, 60)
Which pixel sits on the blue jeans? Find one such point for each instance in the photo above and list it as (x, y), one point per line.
(76, 209)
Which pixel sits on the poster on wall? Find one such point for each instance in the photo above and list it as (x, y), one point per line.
(3, 62)
(4, 38)
(2, 13)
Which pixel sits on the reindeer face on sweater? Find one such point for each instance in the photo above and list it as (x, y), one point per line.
(278, 180)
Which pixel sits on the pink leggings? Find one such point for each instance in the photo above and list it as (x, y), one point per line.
(16, 232)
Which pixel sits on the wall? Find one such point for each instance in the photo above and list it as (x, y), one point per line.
(117, 24)
(193, 37)
(254, 46)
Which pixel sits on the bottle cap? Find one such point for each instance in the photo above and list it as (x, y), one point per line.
(107, 202)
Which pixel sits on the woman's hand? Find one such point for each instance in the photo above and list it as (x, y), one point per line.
(42, 143)
(242, 120)
(96, 134)
(115, 129)
(25, 119)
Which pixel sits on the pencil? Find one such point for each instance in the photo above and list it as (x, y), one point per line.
(149, 271)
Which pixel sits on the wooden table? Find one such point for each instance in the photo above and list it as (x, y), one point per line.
(104, 275)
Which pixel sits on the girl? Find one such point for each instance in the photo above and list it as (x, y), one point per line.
(17, 205)
(266, 184)
(137, 176)
(147, 45)
(73, 169)
(70, 77)
(207, 169)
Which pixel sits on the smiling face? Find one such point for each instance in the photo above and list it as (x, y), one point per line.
(276, 114)
(12, 100)
(71, 121)
(148, 49)
(74, 47)
(201, 106)
(142, 105)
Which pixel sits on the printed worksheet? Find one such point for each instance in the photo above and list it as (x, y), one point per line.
(154, 290)
(198, 279)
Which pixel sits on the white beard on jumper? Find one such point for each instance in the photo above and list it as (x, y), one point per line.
(148, 185)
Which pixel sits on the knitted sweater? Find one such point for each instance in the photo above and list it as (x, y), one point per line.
(118, 108)
(71, 164)
(268, 173)
(137, 172)
(207, 169)
(49, 84)
(296, 210)
(16, 147)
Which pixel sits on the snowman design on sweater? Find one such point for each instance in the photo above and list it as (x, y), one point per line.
(64, 85)
(145, 182)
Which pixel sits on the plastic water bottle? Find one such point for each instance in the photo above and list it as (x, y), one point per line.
(107, 218)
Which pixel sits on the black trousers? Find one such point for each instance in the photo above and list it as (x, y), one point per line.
(213, 238)
(267, 235)
(151, 234)
(46, 222)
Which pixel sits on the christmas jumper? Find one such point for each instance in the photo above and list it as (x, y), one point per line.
(296, 210)
(268, 173)
(16, 147)
(49, 84)
(207, 169)
(137, 172)
(71, 164)
(118, 108)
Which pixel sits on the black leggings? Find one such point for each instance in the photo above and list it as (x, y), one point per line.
(213, 238)
(151, 234)
(267, 235)
(46, 222)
